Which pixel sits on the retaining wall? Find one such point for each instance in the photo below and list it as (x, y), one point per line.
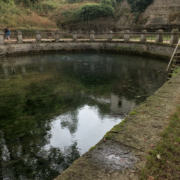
(160, 50)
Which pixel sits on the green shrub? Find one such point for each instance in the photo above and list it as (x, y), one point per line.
(106, 2)
(11, 2)
(92, 11)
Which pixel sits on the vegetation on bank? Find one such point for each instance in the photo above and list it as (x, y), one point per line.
(138, 6)
(52, 14)
(176, 71)
(13, 16)
(163, 162)
(92, 11)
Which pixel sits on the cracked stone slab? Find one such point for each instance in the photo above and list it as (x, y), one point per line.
(114, 156)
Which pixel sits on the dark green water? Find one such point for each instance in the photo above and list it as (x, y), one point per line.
(54, 107)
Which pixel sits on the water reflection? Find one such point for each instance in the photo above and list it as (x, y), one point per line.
(121, 105)
(55, 107)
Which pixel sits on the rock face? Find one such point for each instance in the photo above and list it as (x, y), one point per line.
(162, 14)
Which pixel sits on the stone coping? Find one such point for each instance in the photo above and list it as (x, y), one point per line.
(14, 41)
(160, 50)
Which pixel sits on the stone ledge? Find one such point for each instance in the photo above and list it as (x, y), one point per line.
(158, 50)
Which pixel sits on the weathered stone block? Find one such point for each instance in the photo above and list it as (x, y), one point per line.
(126, 36)
(174, 36)
(38, 36)
(143, 36)
(74, 35)
(159, 36)
(109, 35)
(1, 37)
(19, 37)
(92, 35)
(57, 36)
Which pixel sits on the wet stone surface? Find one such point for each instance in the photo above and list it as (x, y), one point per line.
(113, 156)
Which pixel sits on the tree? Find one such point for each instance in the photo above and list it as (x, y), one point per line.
(139, 6)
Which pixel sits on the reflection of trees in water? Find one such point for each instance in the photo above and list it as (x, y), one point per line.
(36, 162)
(25, 123)
(70, 120)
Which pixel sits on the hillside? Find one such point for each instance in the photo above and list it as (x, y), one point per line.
(99, 15)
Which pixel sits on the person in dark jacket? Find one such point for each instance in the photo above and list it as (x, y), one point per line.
(7, 34)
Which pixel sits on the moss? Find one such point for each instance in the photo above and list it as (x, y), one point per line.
(133, 113)
(176, 71)
(93, 147)
(116, 128)
(108, 135)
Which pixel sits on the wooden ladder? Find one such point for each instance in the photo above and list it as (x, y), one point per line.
(175, 61)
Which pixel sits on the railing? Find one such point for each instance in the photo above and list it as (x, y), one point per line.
(124, 36)
(172, 57)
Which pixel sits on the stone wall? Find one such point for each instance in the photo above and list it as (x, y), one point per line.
(163, 14)
(163, 50)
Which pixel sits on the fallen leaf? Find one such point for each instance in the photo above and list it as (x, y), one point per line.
(175, 143)
(152, 145)
(122, 160)
(81, 162)
(158, 107)
(150, 178)
(158, 156)
(144, 140)
(132, 171)
(142, 112)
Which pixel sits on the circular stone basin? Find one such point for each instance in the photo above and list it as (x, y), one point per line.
(113, 156)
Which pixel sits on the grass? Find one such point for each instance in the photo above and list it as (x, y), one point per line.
(177, 69)
(115, 129)
(19, 17)
(45, 14)
(163, 163)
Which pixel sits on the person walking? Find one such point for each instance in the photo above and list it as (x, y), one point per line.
(7, 34)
